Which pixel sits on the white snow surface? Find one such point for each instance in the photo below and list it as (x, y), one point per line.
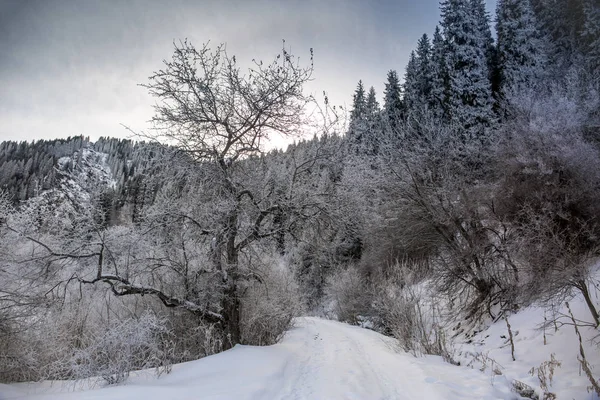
(568, 381)
(317, 359)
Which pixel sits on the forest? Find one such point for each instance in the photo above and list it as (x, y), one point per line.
(472, 191)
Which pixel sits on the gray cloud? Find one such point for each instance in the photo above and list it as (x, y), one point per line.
(72, 67)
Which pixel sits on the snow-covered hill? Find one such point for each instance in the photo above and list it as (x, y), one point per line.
(318, 359)
(82, 178)
(87, 167)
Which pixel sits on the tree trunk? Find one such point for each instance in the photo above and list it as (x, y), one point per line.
(231, 315)
(278, 220)
(582, 286)
(231, 300)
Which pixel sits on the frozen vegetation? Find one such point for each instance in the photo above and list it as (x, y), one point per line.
(443, 244)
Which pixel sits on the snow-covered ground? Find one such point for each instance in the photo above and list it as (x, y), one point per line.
(323, 359)
(546, 345)
(318, 359)
(490, 350)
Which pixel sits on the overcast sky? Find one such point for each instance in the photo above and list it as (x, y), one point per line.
(72, 67)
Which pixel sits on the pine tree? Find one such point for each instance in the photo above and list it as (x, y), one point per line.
(564, 22)
(483, 21)
(418, 82)
(410, 84)
(521, 49)
(439, 76)
(393, 107)
(469, 91)
(372, 105)
(373, 123)
(424, 66)
(358, 104)
(358, 113)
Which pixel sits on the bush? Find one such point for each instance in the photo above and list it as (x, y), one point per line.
(270, 305)
(548, 191)
(193, 338)
(133, 344)
(407, 311)
(347, 294)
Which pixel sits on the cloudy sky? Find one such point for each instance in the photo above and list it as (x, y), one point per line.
(72, 67)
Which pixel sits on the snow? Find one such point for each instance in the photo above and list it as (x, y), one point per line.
(531, 352)
(90, 169)
(89, 173)
(324, 359)
(484, 345)
(318, 359)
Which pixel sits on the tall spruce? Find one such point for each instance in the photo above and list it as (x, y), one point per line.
(358, 114)
(439, 76)
(591, 34)
(418, 79)
(564, 23)
(393, 107)
(410, 84)
(372, 106)
(372, 132)
(359, 104)
(521, 48)
(470, 98)
(491, 53)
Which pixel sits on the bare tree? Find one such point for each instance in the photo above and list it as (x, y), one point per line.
(220, 117)
(212, 111)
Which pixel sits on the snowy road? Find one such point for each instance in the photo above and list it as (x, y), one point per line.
(338, 361)
(318, 359)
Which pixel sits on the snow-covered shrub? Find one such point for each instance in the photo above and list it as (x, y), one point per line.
(559, 106)
(37, 348)
(348, 295)
(407, 310)
(17, 362)
(132, 344)
(269, 304)
(193, 338)
(400, 317)
(441, 207)
(548, 191)
(401, 235)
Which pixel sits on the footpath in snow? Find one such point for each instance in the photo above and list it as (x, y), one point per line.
(318, 359)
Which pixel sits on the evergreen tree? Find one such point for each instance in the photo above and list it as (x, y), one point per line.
(483, 20)
(469, 91)
(393, 107)
(564, 22)
(521, 49)
(373, 123)
(358, 103)
(358, 113)
(418, 83)
(372, 105)
(439, 76)
(424, 65)
(410, 84)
